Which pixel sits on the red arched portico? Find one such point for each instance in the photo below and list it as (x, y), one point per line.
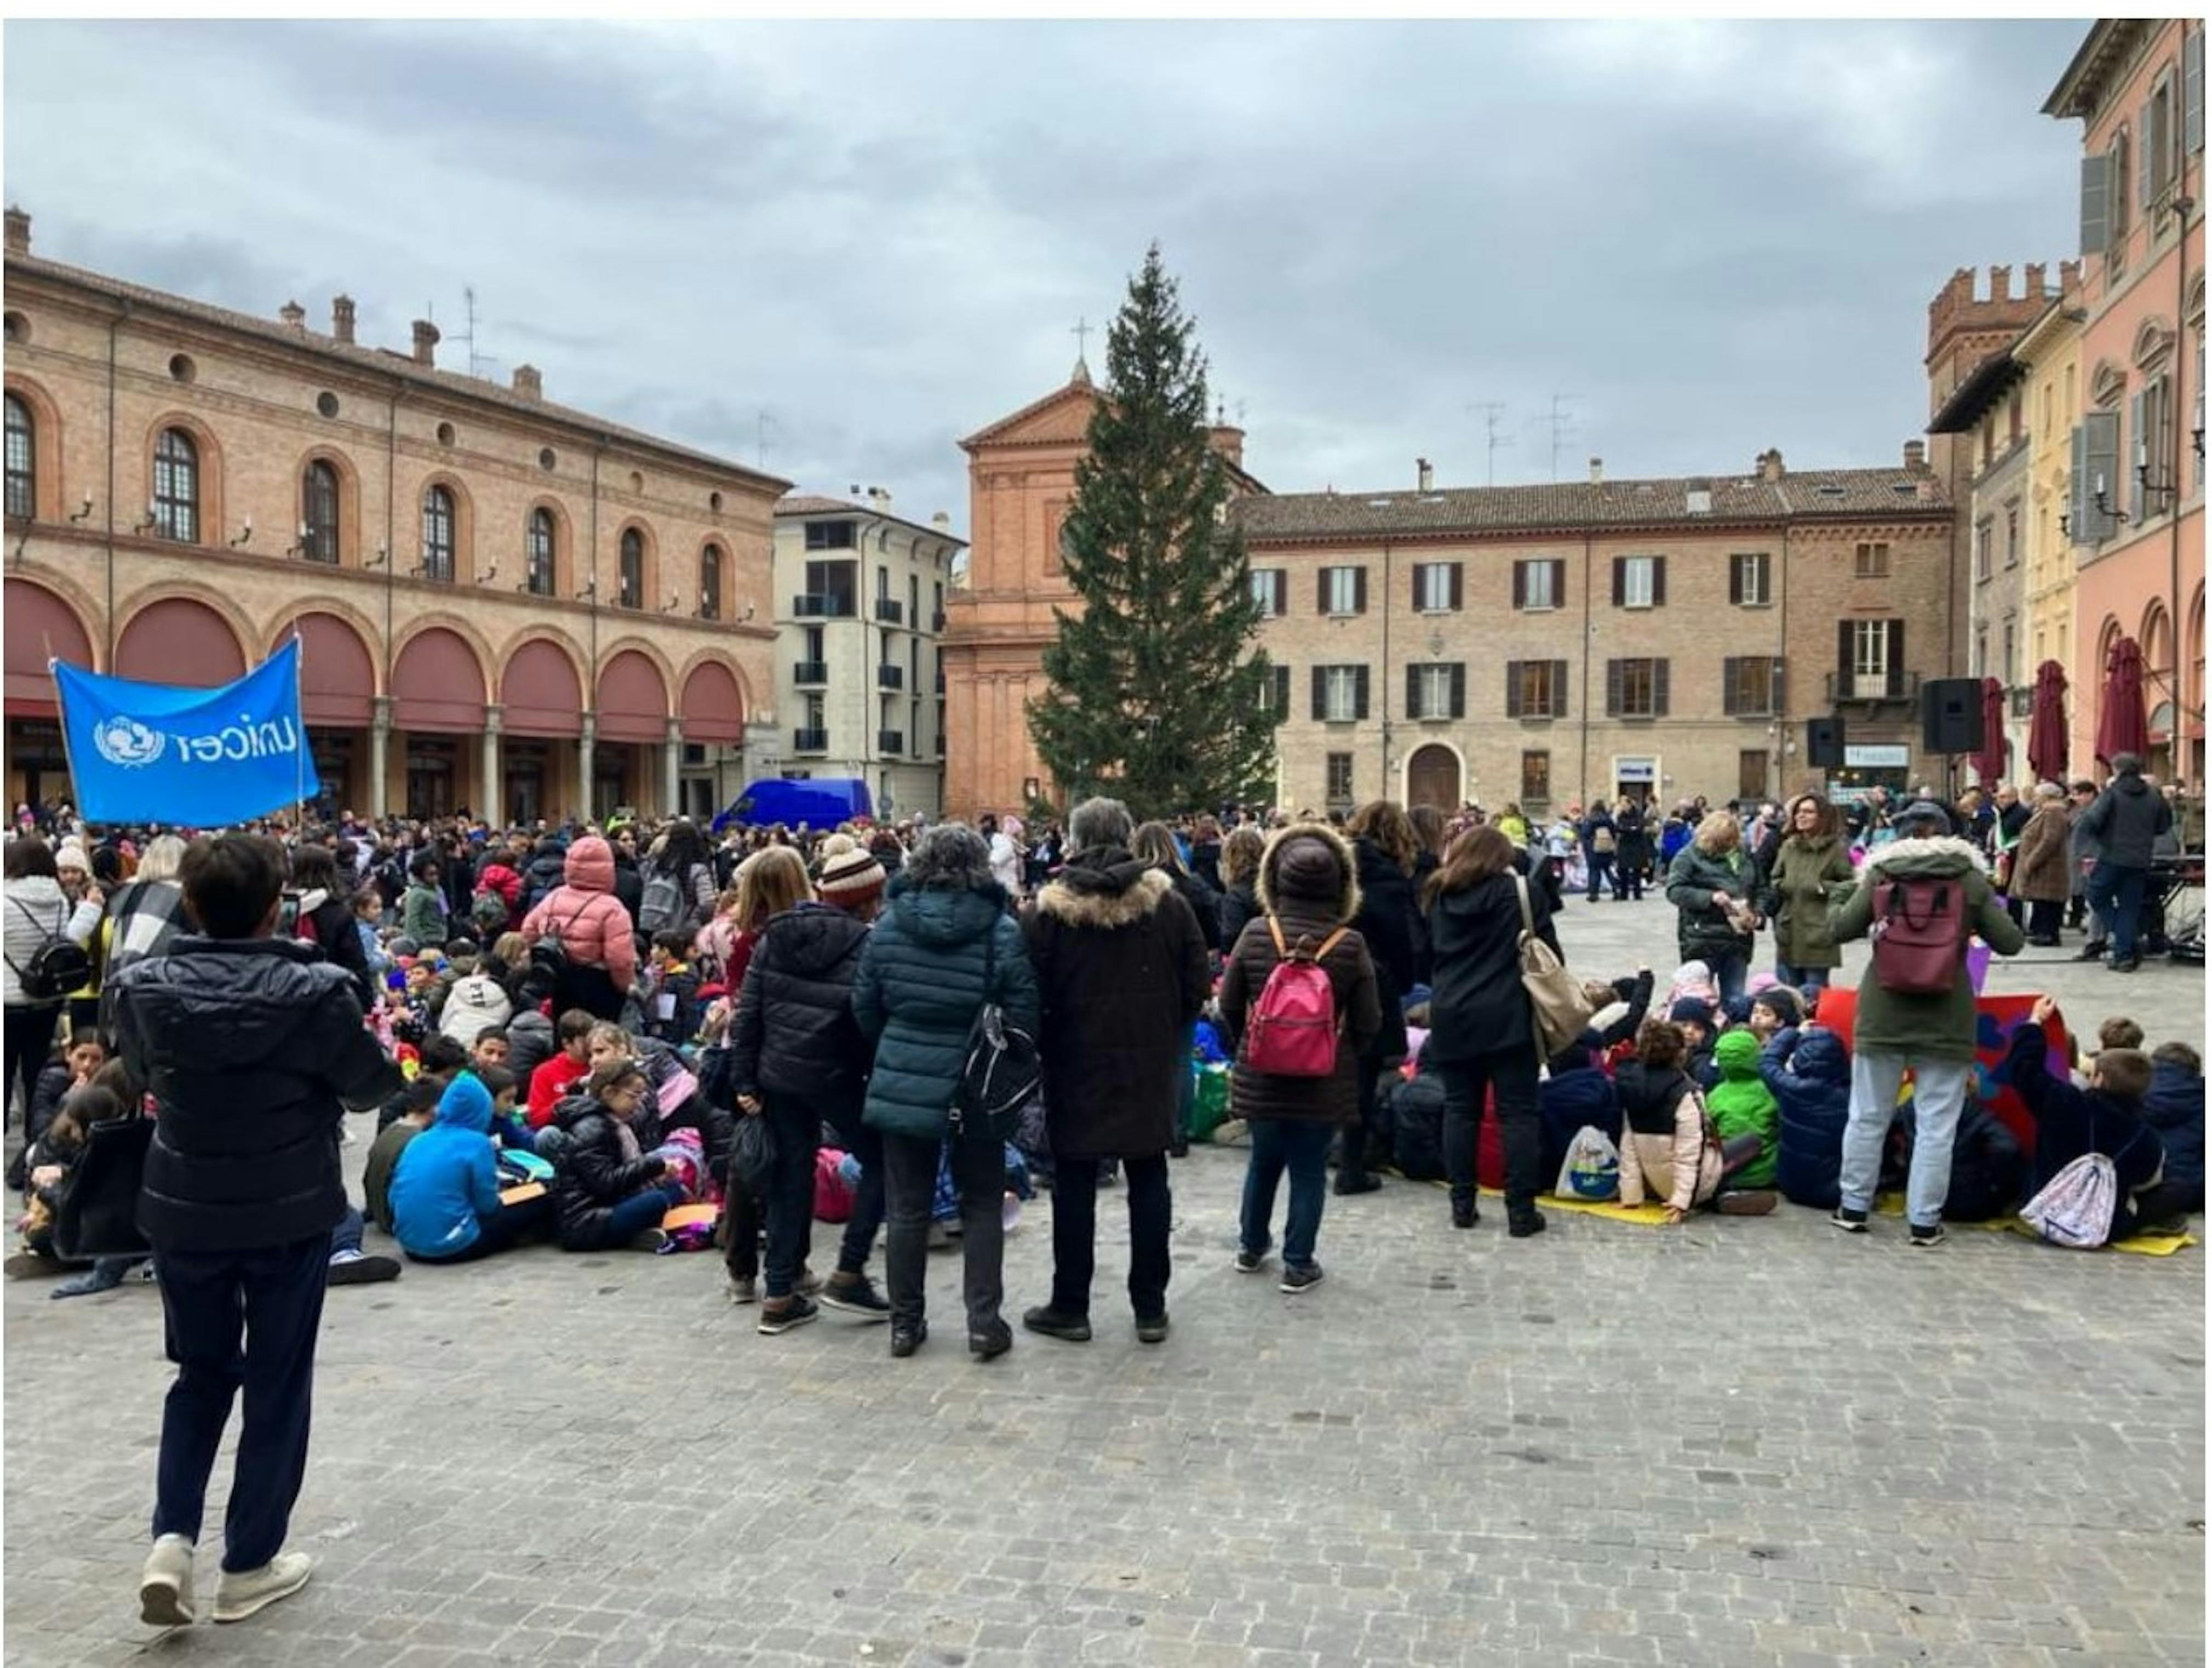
(437, 694)
(178, 640)
(40, 626)
(632, 728)
(713, 707)
(540, 699)
(337, 696)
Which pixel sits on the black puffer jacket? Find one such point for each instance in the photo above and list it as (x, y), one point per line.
(794, 1034)
(1238, 905)
(251, 1048)
(2126, 821)
(590, 1175)
(1477, 1004)
(547, 873)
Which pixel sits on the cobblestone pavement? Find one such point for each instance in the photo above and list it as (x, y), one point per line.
(1740, 1442)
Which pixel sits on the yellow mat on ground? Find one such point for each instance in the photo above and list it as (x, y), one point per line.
(1645, 1215)
(2144, 1245)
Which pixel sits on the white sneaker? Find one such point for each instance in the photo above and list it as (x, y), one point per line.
(237, 1597)
(164, 1590)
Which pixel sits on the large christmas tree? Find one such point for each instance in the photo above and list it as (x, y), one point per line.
(1156, 694)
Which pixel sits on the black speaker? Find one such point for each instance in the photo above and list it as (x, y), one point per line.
(1824, 743)
(1951, 715)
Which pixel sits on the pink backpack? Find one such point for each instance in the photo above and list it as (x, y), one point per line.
(1293, 1033)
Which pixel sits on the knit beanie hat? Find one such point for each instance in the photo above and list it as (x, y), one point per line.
(1691, 1011)
(848, 874)
(71, 856)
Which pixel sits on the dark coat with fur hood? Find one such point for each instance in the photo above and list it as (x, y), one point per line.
(1309, 883)
(1120, 970)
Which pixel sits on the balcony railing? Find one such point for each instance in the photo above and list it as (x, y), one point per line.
(890, 740)
(809, 741)
(1894, 685)
(890, 677)
(810, 671)
(889, 612)
(821, 606)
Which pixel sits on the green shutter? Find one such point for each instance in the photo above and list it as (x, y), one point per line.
(2096, 204)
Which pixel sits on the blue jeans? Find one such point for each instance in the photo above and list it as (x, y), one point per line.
(1729, 968)
(239, 1319)
(1302, 1148)
(1939, 1092)
(638, 1212)
(2117, 894)
(1800, 978)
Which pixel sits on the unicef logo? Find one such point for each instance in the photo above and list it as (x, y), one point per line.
(125, 742)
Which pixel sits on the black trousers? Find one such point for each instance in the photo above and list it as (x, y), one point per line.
(979, 1172)
(2043, 918)
(28, 1037)
(1075, 1234)
(1512, 1073)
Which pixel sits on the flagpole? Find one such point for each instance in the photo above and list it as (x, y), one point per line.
(61, 711)
(300, 755)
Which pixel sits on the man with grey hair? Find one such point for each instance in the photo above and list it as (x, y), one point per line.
(1121, 975)
(2127, 821)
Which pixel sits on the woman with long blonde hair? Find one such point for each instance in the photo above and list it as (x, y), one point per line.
(1711, 883)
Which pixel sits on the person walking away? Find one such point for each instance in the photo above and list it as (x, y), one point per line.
(2126, 821)
(1482, 1031)
(1914, 1015)
(1811, 876)
(1309, 893)
(1710, 883)
(1121, 975)
(1389, 922)
(2040, 876)
(944, 948)
(253, 1049)
(38, 913)
(598, 963)
(1600, 841)
(1240, 867)
(1632, 849)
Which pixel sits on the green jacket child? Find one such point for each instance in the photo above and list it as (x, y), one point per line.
(1741, 1104)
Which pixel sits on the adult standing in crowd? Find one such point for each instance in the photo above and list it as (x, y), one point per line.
(1929, 1033)
(946, 946)
(1811, 876)
(2127, 821)
(1482, 1032)
(599, 943)
(681, 854)
(38, 912)
(1120, 975)
(1601, 842)
(145, 917)
(2041, 868)
(1631, 853)
(1240, 867)
(252, 1049)
(326, 917)
(1709, 884)
(2082, 849)
(1389, 922)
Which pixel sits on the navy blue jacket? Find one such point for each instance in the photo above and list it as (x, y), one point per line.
(1809, 1075)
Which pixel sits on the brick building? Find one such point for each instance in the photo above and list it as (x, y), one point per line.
(503, 603)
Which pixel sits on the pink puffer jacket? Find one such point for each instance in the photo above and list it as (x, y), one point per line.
(594, 927)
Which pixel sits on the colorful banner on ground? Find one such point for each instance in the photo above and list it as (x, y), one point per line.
(191, 758)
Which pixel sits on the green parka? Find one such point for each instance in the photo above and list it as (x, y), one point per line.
(1812, 879)
(1932, 1027)
(1695, 881)
(1741, 1104)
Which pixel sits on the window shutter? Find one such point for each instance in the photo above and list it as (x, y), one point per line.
(2192, 92)
(1658, 581)
(1360, 593)
(1777, 702)
(1359, 694)
(1520, 584)
(1894, 684)
(1413, 692)
(1558, 582)
(2147, 159)
(2077, 489)
(1321, 593)
(1419, 569)
(2096, 204)
(1843, 660)
(1458, 585)
(1727, 686)
(1612, 686)
(1459, 689)
(1282, 692)
(2101, 460)
(1558, 688)
(1620, 581)
(1736, 581)
(1659, 688)
(1512, 689)
(1320, 693)
(2138, 410)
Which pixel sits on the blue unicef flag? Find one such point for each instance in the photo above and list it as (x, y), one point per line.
(203, 758)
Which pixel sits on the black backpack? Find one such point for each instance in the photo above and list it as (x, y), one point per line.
(1002, 1075)
(59, 965)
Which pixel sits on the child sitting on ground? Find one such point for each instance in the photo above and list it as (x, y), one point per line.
(49, 1160)
(1742, 1105)
(2175, 1108)
(2105, 1118)
(446, 1202)
(419, 1109)
(71, 1067)
(1667, 1145)
(558, 1077)
(672, 990)
(1694, 1017)
(609, 1193)
(1808, 1072)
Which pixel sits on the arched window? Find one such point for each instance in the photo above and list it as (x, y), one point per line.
(177, 487)
(710, 583)
(538, 552)
(632, 569)
(438, 535)
(318, 512)
(23, 461)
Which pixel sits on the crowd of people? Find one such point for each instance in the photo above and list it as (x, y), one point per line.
(635, 1036)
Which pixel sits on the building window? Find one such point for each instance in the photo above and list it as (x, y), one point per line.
(438, 535)
(2012, 534)
(1751, 687)
(1870, 659)
(1751, 578)
(1639, 581)
(834, 588)
(1750, 778)
(1535, 688)
(1872, 562)
(1344, 591)
(2158, 142)
(1340, 779)
(1435, 586)
(1436, 692)
(1539, 585)
(829, 535)
(1340, 692)
(1981, 665)
(1981, 535)
(710, 583)
(1270, 592)
(1636, 689)
(1274, 694)
(318, 512)
(23, 461)
(631, 591)
(538, 552)
(1536, 777)
(177, 487)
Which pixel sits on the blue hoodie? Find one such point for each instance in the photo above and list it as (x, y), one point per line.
(1809, 1075)
(447, 1177)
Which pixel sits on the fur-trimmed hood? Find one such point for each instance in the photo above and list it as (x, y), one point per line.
(1292, 868)
(1940, 856)
(1104, 888)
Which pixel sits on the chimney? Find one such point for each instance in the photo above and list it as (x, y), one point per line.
(1915, 457)
(426, 343)
(2034, 283)
(2000, 283)
(942, 520)
(1770, 464)
(1427, 476)
(294, 315)
(1597, 471)
(529, 383)
(341, 319)
(19, 232)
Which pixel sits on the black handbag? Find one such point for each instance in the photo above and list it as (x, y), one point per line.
(97, 1212)
(753, 1153)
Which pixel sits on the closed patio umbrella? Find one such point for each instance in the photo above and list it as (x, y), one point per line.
(2047, 724)
(1990, 760)
(2123, 727)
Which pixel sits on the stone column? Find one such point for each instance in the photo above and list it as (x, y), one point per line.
(380, 751)
(492, 809)
(583, 807)
(671, 769)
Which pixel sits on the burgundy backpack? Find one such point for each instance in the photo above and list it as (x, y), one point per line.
(1919, 933)
(1293, 1033)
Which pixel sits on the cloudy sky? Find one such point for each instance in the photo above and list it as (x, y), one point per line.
(1713, 238)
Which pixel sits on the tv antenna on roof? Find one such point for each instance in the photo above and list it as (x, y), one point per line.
(469, 331)
(1562, 423)
(1491, 411)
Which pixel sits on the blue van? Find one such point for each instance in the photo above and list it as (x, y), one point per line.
(821, 802)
